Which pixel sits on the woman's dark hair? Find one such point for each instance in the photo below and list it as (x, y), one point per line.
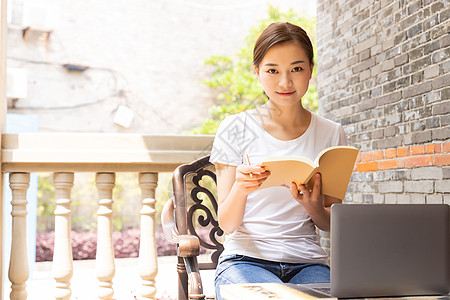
(277, 33)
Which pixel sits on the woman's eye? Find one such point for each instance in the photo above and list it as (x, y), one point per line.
(297, 69)
(271, 71)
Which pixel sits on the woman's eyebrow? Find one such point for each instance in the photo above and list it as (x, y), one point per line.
(292, 63)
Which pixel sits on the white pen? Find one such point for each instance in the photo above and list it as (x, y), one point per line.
(247, 162)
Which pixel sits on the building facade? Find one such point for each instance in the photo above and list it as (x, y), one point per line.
(384, 73)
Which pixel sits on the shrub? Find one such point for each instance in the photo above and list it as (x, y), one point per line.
(84, 244)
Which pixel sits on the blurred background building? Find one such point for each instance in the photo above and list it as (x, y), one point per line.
(113, 66)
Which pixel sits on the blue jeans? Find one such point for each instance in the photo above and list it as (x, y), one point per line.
(243, 269)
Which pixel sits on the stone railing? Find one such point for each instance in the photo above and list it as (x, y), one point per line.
(64, 154)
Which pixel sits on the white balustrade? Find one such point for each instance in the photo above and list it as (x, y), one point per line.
(105, 267)
(148, 264)
(62, 267)
(68, 153)
(18, 265)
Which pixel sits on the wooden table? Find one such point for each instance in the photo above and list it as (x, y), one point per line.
(289, 291)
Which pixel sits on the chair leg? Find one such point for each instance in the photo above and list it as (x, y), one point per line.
(182, 280)
(196, 287)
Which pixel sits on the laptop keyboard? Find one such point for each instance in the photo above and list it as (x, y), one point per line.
(325, 290)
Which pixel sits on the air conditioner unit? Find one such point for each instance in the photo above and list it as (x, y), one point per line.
(43, 15)
(16, 83)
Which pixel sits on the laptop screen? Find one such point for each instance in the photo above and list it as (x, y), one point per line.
(380, 250)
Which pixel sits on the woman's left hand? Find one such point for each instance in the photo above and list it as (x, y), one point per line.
(312, 200)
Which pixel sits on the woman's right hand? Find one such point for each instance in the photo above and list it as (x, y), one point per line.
(233, 186)
(249, 178)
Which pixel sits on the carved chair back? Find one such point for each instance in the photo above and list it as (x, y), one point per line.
(195, 190)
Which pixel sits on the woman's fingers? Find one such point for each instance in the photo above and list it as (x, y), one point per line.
(249, 178)
(317, 186)
(251, 170)
(294, 190)
(255, 179)
(301, 192)
(311, 200)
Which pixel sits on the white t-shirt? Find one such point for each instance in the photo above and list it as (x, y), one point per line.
(275, 226)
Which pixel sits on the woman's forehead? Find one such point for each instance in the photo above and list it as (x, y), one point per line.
(286, 52)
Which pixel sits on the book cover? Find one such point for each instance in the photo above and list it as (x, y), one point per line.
(263, 291)
(335, 164)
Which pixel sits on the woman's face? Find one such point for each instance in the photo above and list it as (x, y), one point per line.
(285, 72)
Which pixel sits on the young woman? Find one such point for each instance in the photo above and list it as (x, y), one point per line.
(272, 231)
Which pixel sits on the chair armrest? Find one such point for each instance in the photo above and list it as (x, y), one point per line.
(188, 246)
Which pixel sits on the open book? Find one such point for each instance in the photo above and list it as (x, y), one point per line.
(335, 164)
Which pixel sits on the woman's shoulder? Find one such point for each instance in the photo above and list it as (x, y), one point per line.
(235, 121)
(238, 116)
(322, 122)
(329, 130)
(228, 141)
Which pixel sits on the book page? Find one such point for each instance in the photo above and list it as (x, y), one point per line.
(336, 166)
(283, 172)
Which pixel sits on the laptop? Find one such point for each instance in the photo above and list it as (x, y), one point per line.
(389, 250)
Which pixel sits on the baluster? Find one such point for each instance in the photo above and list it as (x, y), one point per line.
(105, 268)
(62, 266)
(148, 264)
(18, 265)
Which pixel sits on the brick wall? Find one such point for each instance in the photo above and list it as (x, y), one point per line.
(383, 72)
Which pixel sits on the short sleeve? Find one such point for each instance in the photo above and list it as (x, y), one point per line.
(225, 149)
(342, 138)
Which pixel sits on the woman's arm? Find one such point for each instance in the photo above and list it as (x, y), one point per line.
(233, 186)
(317, 205)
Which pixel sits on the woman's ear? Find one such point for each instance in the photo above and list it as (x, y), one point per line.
(256, 70)
(311, 65)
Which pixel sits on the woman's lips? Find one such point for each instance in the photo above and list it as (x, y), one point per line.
(285, 93)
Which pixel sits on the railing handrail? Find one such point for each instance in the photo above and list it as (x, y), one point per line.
(100, 152)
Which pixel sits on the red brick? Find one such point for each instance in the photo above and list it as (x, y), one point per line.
(404, 151)
(446, 147)
(358, 158)
(418, 161)
(389, 164)
(377, 155)
(442, 160)
(390, 153)
(416, 150)
(366, 156)
(366, 167)
(432, 148)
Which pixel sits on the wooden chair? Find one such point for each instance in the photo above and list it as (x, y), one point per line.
(193, 206)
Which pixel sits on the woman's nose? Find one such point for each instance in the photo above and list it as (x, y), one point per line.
(285, 81)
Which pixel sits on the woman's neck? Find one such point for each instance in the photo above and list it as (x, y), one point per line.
(284, 122)
(287, 116)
